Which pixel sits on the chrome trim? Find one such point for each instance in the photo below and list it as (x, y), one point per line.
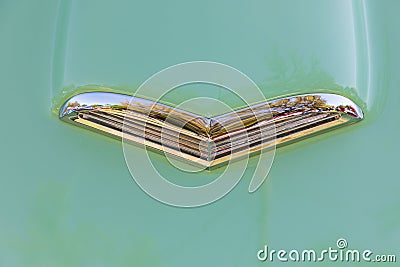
(210, 141)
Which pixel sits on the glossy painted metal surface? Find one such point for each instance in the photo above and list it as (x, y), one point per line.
(215, 140)
(66, 197)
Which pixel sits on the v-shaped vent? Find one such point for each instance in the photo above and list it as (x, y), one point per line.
(215, 140)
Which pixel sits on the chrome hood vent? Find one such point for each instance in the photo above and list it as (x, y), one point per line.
(210, 141)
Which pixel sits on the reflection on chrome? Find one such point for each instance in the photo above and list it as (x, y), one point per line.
(215, 140)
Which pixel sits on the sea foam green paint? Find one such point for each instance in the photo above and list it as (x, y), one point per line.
(66, 196)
